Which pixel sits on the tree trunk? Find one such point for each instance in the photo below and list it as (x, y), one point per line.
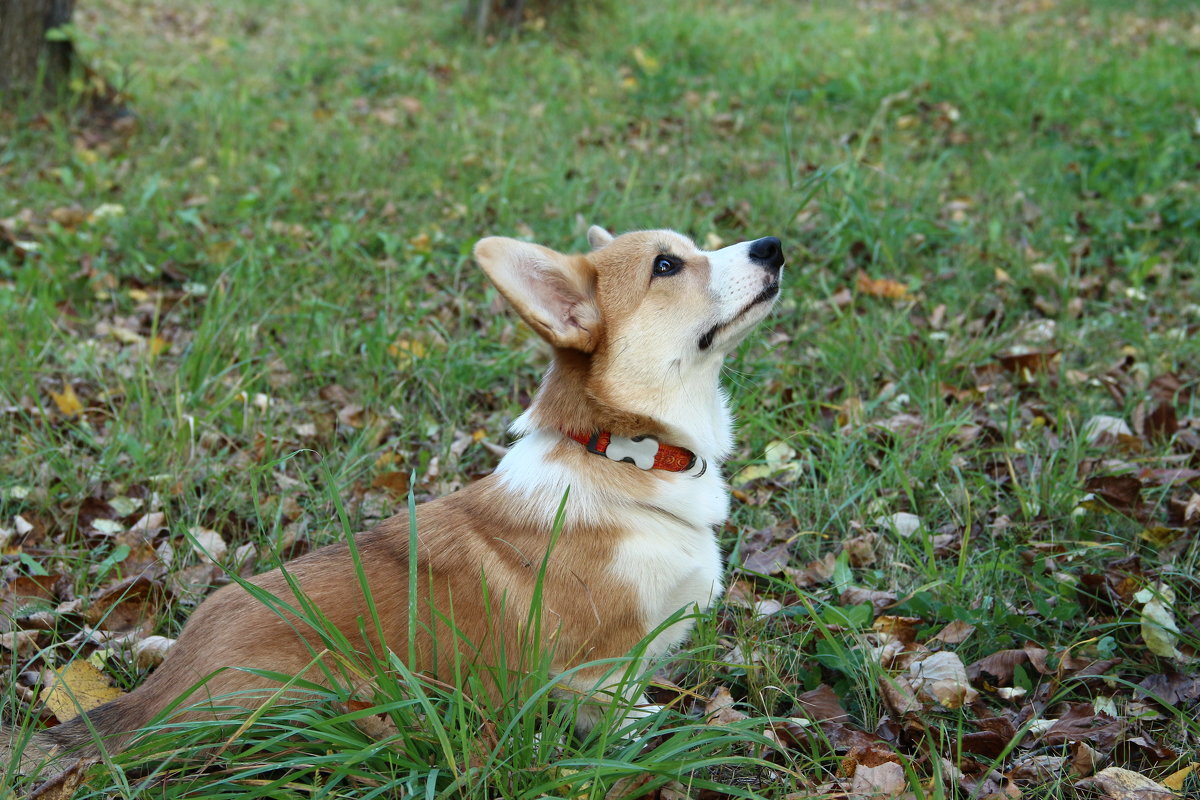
(25, 55)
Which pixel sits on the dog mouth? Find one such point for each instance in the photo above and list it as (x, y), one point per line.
(768, 293)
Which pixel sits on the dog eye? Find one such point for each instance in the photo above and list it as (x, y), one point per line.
(665, 265)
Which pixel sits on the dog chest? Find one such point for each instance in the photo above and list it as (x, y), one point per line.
(669, 566)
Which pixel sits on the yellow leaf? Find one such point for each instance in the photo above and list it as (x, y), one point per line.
(1175, 780)
(406, 351)
(644, 60)
(158, 346)
(67, 402)
(881, 287)
(77, 687)
(1160, 536)
(780, 464)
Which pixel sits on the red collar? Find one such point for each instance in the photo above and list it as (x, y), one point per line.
(644, 452)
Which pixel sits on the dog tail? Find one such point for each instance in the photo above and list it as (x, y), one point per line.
(109, 727)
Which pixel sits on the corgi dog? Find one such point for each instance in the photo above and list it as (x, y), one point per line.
(630, 424)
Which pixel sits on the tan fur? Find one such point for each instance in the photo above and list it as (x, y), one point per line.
(591, 308)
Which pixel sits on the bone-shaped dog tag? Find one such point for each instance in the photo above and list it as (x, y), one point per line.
(639, 450)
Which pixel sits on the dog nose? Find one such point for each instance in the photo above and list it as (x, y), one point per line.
(767, 252)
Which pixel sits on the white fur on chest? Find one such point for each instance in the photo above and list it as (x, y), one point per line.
(667, 553)
(669, 567)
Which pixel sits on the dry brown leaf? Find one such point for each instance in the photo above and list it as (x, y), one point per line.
(1102, 430)
(632, 787)
(1000, 665)
(1124, 784)
(394, 483)
(63, 785)
(814, 573)
(879, 600)
(151, 651)
(208, 545)
(131, 605)
(1120, 492)
(956, 632)
(1081, 723)
(1028, 363)
(719, 708)
(821, 705)
(1038, 768)
(22, 643)
(989, 744)
(892, 628)
(861, 549)
(885, 780)
(1084, 759)
(1172, 688)
(898, 695)
(942, 678)
(79, 687)
(880, 287)
(770, 561)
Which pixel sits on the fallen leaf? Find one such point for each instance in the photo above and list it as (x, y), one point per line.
(208, 544)
(955, 632)
(767, 562)
(1038, 768)
(1081, 723)
(63, 785)
(898, 695)
(1159, 629)
(151, 651)
(821, 705)
(67, 401)
(879, 600)
(125, 607)
(901, 523)
(885, 780)
(78, 687)
(1120, 492)
(942, 678)
(1176, 779)
(1001, 664)
(22, 643)
(1124, 784)
(861, 549)
(719, 708)
(1173, 688)
(1028, 363)
(880, 287)
(893, 628)
(779, 464)
(1084, 759)
(394, 483)
(1102, 429)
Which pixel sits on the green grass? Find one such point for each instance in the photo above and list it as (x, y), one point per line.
(294, 210)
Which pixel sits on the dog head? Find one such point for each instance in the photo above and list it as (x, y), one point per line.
(650, 313)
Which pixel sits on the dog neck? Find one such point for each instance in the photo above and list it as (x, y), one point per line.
(691, 413)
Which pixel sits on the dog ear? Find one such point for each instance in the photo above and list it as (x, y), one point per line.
(598, 237)
(553, 292)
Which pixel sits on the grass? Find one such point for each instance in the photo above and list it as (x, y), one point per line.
(261, 295)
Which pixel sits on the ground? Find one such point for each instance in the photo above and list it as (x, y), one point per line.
(237, 312)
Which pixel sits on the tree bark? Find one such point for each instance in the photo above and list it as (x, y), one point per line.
(25, 55)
